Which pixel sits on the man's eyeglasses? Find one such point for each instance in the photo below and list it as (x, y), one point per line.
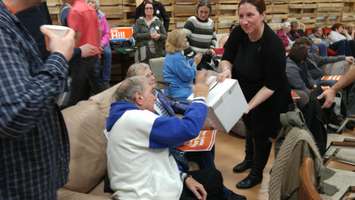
(149, 8)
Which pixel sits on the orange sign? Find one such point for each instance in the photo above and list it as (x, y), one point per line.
(203, 142)
(124, 33)
(331, 77)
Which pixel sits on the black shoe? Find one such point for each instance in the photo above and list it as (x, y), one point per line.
(235, 196)
(249, 181)
(241, 167)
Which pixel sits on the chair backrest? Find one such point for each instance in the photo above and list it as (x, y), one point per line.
(307, 190)
(156, 65)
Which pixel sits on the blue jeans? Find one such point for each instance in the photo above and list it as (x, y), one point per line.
(107, 60)
(322, 49)
(342, 48)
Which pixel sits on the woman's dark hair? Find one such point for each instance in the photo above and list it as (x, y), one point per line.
(336, 26)
(298, 53)
(202, 3)
(145, 3)
(259, 4)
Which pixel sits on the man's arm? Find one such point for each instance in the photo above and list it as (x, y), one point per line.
(344, 81)
(172, 131)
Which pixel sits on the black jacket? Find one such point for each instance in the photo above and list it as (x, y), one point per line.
(33, 18)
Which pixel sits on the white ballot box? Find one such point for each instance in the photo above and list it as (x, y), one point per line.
(226, 104)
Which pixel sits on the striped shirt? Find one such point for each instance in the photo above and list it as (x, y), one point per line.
(34, 146)
(201, 35)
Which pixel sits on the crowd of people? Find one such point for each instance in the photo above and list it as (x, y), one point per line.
(143, 128)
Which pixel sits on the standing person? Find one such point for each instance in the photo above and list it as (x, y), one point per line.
(83, 20)
(64, 12)
(150, 35)
(200, 30)
(158, 11)
(201, 35)
(32, 18)
(105, 71)
(256, 57)
(34, 143)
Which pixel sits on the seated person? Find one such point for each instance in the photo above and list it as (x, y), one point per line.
(301, 81)
(166, 107)
(139, 142)
(178, 70)
(282, 34)
(314, 63)
(341, 41)
(319, 40)
(297, 73)
(317, 36)
(296, 31)
(163, 105)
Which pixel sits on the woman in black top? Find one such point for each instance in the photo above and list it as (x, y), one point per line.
(255, 56)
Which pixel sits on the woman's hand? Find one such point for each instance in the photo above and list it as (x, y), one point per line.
(201, 86)
(224, 75)
(212, 52)
(198, 58)
(225, 68)
(196, 188)
(349, 59)
(155, 36)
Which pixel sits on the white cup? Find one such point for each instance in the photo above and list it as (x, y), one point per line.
(58, 30)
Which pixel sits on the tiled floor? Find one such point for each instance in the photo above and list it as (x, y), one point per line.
(229, 151)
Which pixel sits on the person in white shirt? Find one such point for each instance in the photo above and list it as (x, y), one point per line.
(341, 41)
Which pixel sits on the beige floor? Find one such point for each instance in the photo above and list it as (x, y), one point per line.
(229, 151)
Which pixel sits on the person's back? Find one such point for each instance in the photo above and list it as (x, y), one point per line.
(83, 19)
(179, 72)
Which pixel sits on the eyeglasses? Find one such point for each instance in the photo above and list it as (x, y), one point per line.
(149, 8)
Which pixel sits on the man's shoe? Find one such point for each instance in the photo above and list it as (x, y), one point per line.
(235, 196)
(249, 181)
(241, 167)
